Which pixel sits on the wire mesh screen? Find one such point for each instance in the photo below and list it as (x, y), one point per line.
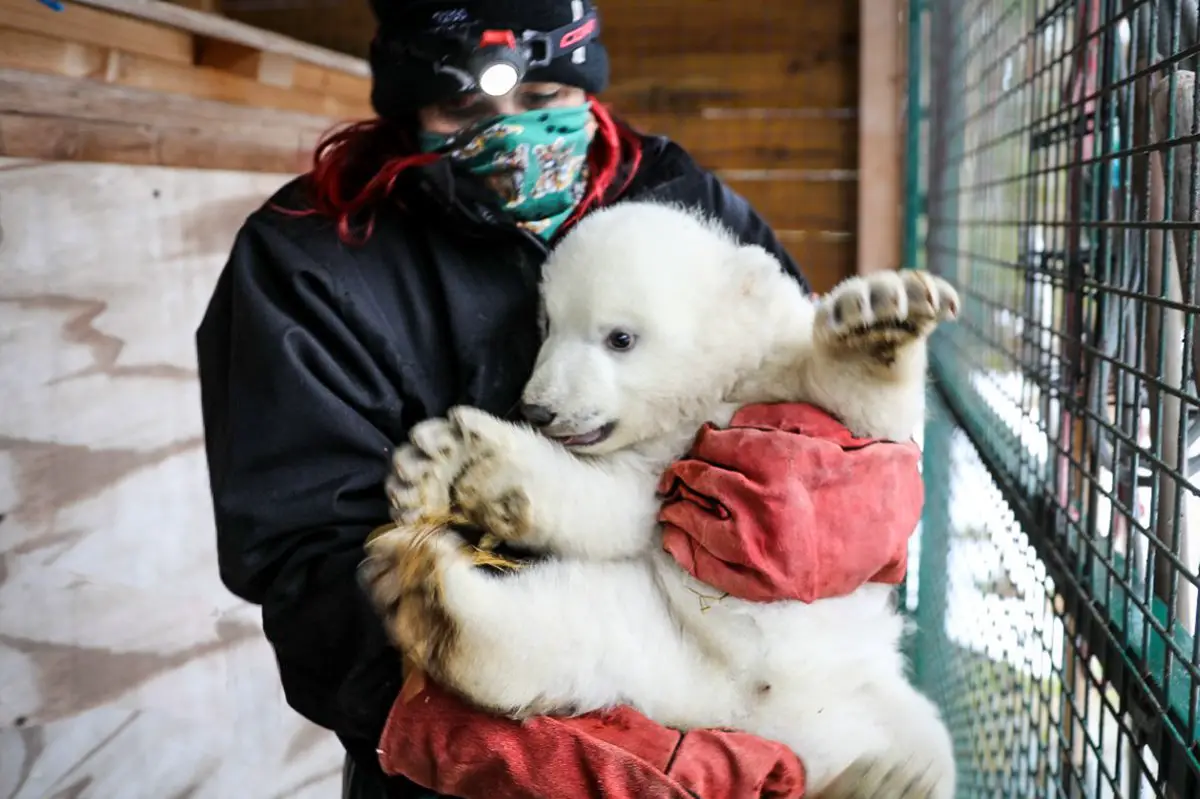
(1053, 178)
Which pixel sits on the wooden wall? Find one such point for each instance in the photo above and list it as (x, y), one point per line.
(764, 92)
(127, 670)
(151, 83)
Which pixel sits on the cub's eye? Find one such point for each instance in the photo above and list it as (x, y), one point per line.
(620, 340)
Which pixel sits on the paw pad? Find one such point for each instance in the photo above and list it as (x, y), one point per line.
(422, 469)
(877, 313)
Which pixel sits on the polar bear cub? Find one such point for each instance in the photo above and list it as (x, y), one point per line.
(657, 320)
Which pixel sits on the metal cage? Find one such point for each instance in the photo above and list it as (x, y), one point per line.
(1053, 178)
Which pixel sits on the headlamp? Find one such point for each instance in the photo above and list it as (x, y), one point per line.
(495, 61)
(497, 65)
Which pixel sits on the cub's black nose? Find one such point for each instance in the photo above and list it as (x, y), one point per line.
(537, 415)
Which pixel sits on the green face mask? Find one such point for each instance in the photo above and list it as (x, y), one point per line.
(536, 162)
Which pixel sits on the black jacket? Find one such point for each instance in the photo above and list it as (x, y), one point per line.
(316, 358)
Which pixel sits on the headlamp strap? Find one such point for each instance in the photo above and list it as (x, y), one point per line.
(538, 47)
(563, 40)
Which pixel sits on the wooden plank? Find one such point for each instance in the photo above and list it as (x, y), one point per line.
(319, 80)
(688, 83)
(245, 151)
(273, 69)
(801, 204)
(632, 27)
(53, 95)
(881, 133)
(43, 54)
(824, 260)
(219, 27)
(30, 51)
(629, 28)
(57, 139)
(348, 28)
(213, 84)
(89, 26)
(52, 138)
(207, 6)
(738, 142)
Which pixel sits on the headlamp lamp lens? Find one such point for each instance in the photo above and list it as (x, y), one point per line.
(498, 78)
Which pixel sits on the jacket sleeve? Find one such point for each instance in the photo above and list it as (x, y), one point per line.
(299, 423)
(741, 217)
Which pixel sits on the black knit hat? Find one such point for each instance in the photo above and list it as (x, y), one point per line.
(402, 82)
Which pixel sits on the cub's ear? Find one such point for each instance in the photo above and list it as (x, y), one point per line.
(758, 275)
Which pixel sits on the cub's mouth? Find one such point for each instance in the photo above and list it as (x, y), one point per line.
(585, 439)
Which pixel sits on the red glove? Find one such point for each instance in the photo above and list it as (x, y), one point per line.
(438, 741)
(787, 504)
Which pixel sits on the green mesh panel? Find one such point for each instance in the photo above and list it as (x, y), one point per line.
(1053, 178)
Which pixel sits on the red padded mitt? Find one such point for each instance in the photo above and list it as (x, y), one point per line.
(436, 740)
(786, 504)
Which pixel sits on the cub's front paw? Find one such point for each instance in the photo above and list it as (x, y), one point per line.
(418, 485)
(877, 314)
(404, 576)
(489, 490)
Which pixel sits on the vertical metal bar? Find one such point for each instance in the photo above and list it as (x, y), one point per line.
(929, 666)
(915, 106)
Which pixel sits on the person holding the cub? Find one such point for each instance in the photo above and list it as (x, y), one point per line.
(395, 280)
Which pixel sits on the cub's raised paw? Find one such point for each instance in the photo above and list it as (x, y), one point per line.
(872, 778)
(423, 469)
(488, 490)
(404, 576)
(879, 313)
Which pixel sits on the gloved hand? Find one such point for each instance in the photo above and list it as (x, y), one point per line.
(786, 504)
(439, 741)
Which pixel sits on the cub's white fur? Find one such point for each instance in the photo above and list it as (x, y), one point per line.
(610, 618)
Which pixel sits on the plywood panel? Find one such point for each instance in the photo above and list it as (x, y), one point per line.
(129, 668)
(800, 141)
